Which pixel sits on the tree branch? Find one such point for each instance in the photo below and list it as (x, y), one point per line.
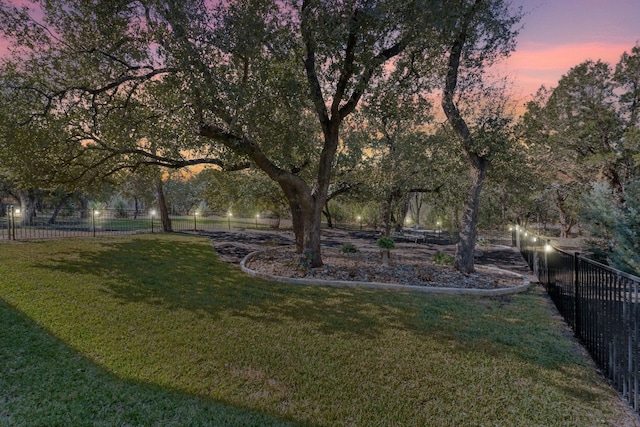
(367, 74)
(315, 90)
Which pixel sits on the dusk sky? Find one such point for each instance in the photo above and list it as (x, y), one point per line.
(560, 34)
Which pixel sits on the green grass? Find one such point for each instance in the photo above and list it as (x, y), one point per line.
(155, 330)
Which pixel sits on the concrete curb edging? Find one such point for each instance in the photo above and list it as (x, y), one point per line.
(377, 285)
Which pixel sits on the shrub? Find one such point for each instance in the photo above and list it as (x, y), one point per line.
(483, 241)
(443, 259)
(349, 248)
(304, 262)
(386, 243)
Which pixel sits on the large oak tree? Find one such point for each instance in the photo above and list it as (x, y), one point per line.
(177, 83)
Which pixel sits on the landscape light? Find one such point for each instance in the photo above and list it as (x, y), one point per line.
(153, 213)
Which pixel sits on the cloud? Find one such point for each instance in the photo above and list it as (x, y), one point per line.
(535, 64)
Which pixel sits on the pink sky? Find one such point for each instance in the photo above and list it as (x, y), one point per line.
(560, 34)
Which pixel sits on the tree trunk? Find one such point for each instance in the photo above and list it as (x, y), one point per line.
(313, 232)
(27, 207)
(404, 211)
(464, 259)
(297, 221)
(56, 211)
(162, 207)
(566, 223)
(327, 215)
(386, 215)
(84, 207)
(136, 206)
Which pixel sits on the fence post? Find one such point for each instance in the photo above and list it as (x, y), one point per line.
(577, 329)
(13, 222)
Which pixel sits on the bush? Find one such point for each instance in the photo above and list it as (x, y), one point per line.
(443, 259)
(615, 226)
(304, 261)
(483, 241)
(386, 243)
(120, 207)
(349, 248)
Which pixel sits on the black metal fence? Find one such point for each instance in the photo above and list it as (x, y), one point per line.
(600, 304)
(91, 223)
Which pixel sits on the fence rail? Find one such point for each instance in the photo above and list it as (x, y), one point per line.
(73, 223)
(600, 304)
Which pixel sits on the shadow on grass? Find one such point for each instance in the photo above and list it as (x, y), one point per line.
(44, 382)
(184, 274)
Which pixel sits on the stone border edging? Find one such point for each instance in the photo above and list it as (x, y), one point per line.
(377, 285)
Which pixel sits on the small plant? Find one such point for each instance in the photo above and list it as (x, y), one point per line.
(386, 243)
(349, 248)
(304, 262)
(443, 259)
(483, 241)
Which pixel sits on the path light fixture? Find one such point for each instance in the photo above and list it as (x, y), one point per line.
(359, 218)
(153, 214)
(94, 214)
(257, 218)
(229, 215)
(195, 220)
(438, 224)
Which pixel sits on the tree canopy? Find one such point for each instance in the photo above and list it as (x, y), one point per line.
(249, 83)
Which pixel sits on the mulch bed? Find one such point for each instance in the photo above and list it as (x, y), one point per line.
(410, 263)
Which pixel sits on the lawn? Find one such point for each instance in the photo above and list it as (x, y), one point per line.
(155, 330)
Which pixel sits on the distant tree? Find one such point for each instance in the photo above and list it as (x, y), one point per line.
(584, 131)
(561, 176)
(397, 152)
(583, 115)
(244, 193)
(615, 228)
